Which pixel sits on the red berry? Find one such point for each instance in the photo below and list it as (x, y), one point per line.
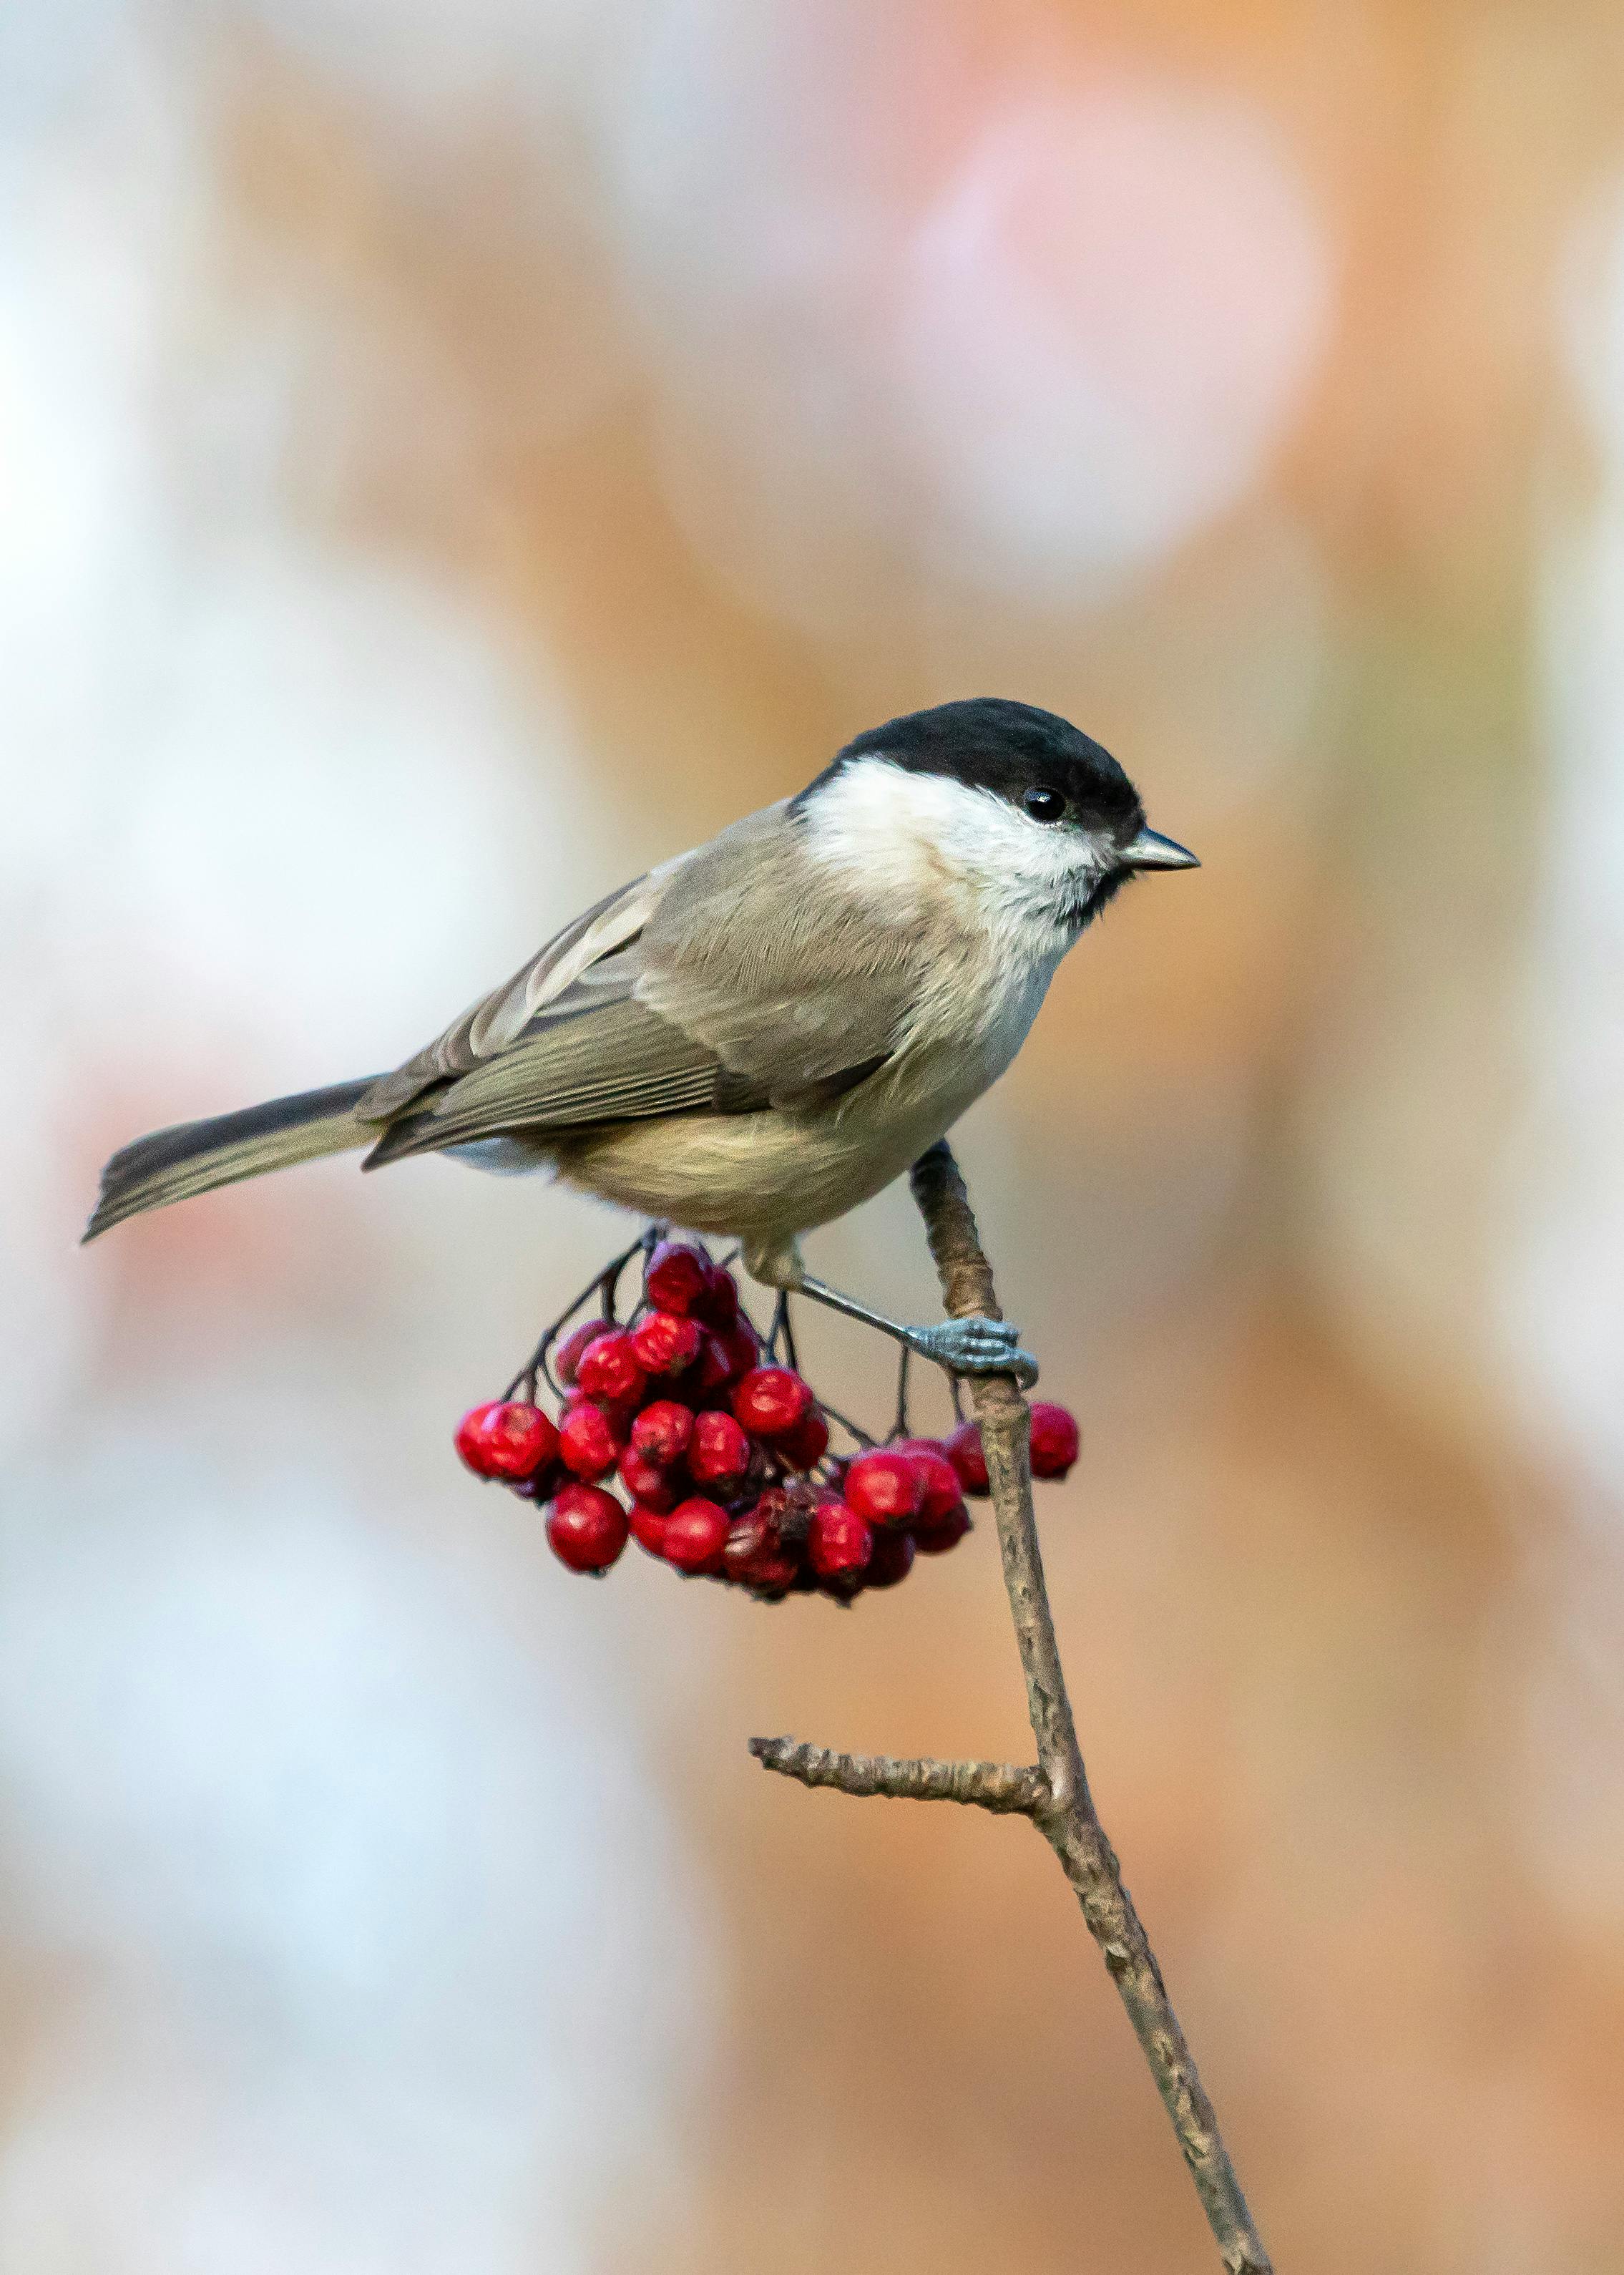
(647, 1529)
(717, 1452)
(773, 1508)
(770, 1400)
(586, 1528)
(718, 1306)
(773, 1576)
(678, 1276)
(749, 1537)
(936, 1539)
(839, 1542)
(588, 1441)
(645, 1480)
(703, 1383)
(696, 1533)
(754, 1556)
(741, 1346)
(963, 1450)
(714, 1368)
(885, 1486)
(609, 1368)
(805, 1446)
(1056, 1440)
(892, 1560)
(506, 1439)
(943, 1490)
(662, 1431)
(566, 1354)
(663, 1344)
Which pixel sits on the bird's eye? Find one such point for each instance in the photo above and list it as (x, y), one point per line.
(1044, 804)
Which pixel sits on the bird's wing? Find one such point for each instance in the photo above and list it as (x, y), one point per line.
(732, 988)
(498, 1019)
(613, 1062)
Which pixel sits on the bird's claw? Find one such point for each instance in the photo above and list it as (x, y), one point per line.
(975, 1346)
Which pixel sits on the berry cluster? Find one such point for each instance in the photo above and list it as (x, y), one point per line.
(723, 1455)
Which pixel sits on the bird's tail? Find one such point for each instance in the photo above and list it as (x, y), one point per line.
(195, 1157)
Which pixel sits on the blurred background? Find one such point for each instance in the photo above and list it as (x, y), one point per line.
(454, 455)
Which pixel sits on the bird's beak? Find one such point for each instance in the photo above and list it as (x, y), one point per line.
(1149, 850)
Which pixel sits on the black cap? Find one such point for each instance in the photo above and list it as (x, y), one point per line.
(1011, 749)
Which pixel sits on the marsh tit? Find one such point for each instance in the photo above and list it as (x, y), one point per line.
(763, 1032)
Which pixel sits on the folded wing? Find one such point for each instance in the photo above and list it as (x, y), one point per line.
(716, 984)
(500, 1018)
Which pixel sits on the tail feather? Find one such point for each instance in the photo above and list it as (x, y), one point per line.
(195, 1157)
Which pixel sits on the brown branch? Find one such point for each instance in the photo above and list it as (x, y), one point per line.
(1060, 1805)
(998, 1785)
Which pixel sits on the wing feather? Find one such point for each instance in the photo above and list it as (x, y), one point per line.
(617, 1062)
(716, 984)
(499, 1018)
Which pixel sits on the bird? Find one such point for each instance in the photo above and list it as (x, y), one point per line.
(760, 1033)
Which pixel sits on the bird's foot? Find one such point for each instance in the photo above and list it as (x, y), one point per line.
(975, 1346)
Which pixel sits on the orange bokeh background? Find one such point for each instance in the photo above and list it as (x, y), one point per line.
(458, 456)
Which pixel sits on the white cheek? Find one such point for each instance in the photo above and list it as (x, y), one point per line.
(897, 834)
(864, 825)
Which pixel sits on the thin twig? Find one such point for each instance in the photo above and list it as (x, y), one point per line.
(783, 1332)
(1058, 1801)
(854, 1430)
(605, 1282)
(998, 1786)
(899, 1424)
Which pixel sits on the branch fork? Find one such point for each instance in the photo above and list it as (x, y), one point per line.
(1054, 1794)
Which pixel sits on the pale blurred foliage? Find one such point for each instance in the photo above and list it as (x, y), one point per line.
(455, 455)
